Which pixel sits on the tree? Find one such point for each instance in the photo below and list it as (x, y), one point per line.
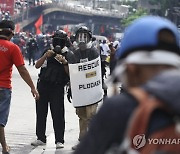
(126, 21)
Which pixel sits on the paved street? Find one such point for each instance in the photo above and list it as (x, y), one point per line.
(20, 130)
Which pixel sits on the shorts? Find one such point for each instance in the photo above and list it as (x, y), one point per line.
(86, 112)
(5, 99)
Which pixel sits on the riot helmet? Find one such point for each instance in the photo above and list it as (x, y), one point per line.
(59, 39)
(83, 37)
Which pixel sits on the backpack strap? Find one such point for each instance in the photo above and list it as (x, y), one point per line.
(141, 116)
(170, 142)
(140, 120)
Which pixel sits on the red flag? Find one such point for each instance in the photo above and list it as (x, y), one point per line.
(38, 24)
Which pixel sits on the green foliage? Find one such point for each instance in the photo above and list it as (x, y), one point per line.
(163, 4)
(126, 21)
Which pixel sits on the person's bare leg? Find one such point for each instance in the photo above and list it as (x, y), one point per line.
(5, 148)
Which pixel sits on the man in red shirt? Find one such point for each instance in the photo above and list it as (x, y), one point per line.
(9, 54)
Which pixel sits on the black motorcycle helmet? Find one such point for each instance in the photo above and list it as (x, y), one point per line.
(59, 38)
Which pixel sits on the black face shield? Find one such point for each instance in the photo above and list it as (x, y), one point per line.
(58, 42)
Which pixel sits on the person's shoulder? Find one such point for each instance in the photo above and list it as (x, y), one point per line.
(71, 57)
(117, 107)
(94, 51)
(120, 101)
(70, 52)
(12, 45)
(93, 48)
(76, 51)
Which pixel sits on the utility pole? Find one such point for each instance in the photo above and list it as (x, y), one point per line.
(109, 5)
(27, 10)
(93, 2)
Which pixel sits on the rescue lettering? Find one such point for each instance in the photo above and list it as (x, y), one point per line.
(89, 85)
(88, 66)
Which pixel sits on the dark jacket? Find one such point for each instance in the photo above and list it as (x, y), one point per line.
(32, 46)
(54, 72)
(90, 54)
(108, 127)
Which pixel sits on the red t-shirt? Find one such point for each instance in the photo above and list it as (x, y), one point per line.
(9, 54)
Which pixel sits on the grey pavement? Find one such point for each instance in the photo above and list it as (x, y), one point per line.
(20, 130)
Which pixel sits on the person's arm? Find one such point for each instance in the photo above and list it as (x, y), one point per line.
(66, 68)
(26, 77)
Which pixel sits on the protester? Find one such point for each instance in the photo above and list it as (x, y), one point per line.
(85, 54)
(52, 79)
(112, 62)
(149, 47)
(113, 48)
(9, 54)
(104, 49)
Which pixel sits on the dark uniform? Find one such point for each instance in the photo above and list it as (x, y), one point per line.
(89, 54)
(51, 82)
(32, 49)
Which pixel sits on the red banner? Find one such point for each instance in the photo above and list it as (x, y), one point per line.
(38, 24)
(7, 5)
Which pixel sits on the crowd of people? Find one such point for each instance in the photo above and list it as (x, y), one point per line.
(146, 62)
(4, 15)
(32, 46)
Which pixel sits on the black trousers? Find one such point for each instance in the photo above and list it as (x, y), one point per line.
(53, 96)
(31, 56)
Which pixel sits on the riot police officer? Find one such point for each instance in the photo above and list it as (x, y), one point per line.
(52, 79)
(32, 49)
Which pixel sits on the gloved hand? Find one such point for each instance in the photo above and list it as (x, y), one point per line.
(68, 90)
(69, 94)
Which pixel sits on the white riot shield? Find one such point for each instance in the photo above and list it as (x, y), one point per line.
(86, 82)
